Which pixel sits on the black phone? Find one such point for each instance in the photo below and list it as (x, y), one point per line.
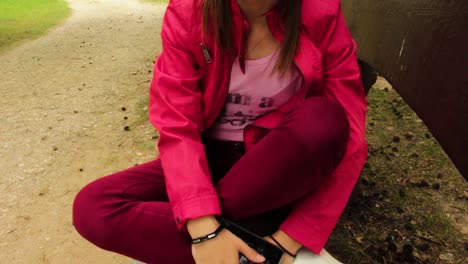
(271, 253)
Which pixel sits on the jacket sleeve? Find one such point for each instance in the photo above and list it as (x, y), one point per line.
(176, 112)
(314, 217)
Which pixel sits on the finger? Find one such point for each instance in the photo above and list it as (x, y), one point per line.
(250, 253)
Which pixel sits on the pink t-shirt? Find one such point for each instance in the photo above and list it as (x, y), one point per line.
(253, 94)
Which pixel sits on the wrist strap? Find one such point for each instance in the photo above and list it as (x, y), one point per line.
(209, 236)
(284, 249)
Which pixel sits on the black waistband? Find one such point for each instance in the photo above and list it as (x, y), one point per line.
(224, 144)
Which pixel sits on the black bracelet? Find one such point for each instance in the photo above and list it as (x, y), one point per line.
(209, 236)
(284, 249)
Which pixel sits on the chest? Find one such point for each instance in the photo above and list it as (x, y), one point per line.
(260, 41)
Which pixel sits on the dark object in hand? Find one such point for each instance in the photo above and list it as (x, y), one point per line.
(271, 253)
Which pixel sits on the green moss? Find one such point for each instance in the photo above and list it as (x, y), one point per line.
(27, 19)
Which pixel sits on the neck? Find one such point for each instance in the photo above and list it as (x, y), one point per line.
(253, 9)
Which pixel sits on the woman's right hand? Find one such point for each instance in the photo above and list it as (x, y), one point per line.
(223, 249)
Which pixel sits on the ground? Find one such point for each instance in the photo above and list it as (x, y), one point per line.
(74, 106)
(63, 123)
(410, 204)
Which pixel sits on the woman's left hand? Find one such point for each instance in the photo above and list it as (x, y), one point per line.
(285, 259)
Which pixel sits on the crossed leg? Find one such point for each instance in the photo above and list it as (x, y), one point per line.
(128, 212)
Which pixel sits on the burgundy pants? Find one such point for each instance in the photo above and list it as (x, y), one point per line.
(128, 212)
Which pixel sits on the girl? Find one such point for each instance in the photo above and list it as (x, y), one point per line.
(261, 114)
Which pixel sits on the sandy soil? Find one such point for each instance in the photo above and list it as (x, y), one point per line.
(62, 123)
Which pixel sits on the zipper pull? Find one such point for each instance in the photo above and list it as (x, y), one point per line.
(206, 53)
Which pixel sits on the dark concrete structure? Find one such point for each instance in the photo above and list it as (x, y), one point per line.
(421, 48)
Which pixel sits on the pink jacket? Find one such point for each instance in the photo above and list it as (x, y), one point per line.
(188, 92)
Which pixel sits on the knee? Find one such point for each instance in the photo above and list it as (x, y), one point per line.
(89, 215)
(319, 125)
(84, 211)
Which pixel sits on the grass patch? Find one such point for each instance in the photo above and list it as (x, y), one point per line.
(142, 111)
(397, 214)
(147, 145)
(27, 19)
(110, 160)
(142, 140)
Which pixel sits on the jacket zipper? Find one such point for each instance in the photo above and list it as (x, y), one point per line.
(206, 53)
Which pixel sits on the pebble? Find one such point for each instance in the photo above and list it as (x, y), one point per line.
(446, 257)
(409, 135)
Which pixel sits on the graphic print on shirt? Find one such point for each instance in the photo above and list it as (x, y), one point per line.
(242, 109)
(257, 92)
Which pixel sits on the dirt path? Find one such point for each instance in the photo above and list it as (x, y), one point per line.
(62, 123)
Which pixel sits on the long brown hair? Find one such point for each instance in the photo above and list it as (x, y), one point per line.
(217, 21)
